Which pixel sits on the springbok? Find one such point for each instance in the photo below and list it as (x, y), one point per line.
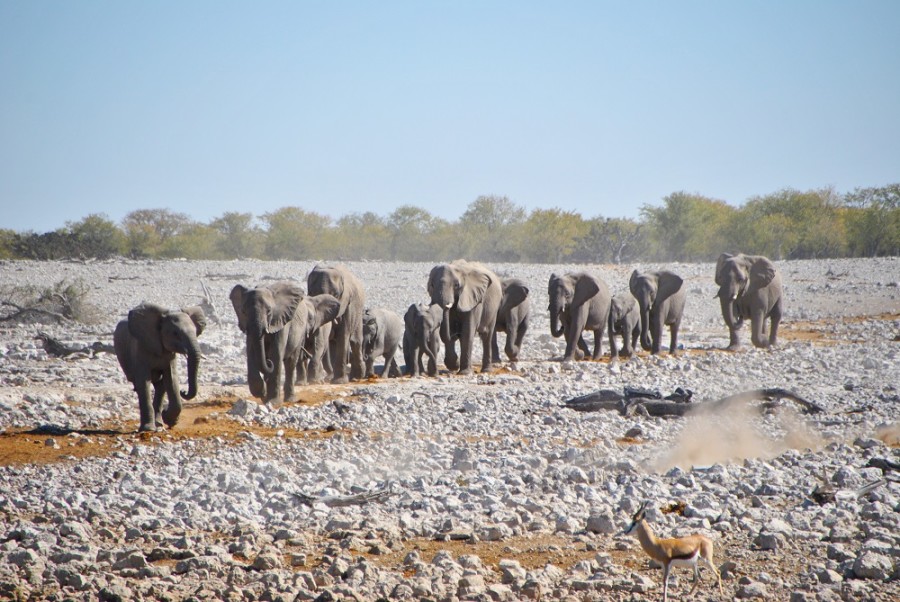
(687, 551)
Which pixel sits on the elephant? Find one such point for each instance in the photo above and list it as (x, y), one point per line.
(469, 295)
(422, 337)
(346, 339)
(146, 344)
(661, 298)
(512, 318)
(578, 301)
(281, 323)
(749, 287)
(382, 332)
(624, 320)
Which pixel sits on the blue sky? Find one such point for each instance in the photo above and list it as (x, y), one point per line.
(204, 107)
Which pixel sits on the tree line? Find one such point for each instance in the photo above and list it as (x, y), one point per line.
(687, 227)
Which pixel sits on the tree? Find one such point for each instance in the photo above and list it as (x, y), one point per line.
(489, 227)
(610, 240)
(873, 220)
(362, 236)
(95, 236)
(410, 228)
(792, 224)
(550, 235)
(688, 227)
(293, 233)
(237, 236)
(146, 230)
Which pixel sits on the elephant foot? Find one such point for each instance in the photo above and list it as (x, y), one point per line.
(170, 419)
(149, 428)
(340, 380)
(466, 371)
(490, 368)
(733, 347)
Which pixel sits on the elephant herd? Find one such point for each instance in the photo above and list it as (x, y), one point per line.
(296, 337)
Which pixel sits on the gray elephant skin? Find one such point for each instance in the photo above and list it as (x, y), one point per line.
(469, 294)
(624, 320)
(512, 318)
(578, 301)
(749, 287)
(421, 336)
(382, 333)
(661, 298)
(146, 345)
(281, 323)
(346, 339)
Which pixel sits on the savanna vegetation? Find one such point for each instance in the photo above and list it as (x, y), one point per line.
(787, 224)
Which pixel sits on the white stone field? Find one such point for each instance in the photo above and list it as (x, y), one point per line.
(475, 487)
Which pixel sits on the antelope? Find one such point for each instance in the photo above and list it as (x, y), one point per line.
(687, 551)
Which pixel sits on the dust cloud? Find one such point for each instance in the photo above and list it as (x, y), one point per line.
(724, 438)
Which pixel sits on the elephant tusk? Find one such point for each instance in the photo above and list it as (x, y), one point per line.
(448, 306)
(734, 297)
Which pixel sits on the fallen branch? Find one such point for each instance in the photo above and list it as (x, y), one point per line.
(22, 312)
(340, 501)
(649, 403)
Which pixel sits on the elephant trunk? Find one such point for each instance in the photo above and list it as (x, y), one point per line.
(193, 364)
(445, 327)
(266, 366)
(556, 327)
(728, 303)
(645, 328)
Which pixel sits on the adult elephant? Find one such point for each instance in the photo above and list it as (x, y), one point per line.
(660, 296)
(346, 340)
(422, 337)
(469, 295)
(146, 344)
(512, 318)
(749, 287)
(280, 322)
(578, 301)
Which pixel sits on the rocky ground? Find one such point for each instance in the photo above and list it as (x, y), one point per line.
(453, 488)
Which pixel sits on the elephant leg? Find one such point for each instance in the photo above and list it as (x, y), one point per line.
(757, 328)
(290, 365)
(158, 393)
(357, 367)
(145, 405)
(673, 336)
(173, 408)
(466, 342)
(451, 358)
(272, 382)
(338, 351)
(656, 328)
(512, 350)
(775, 316)
(370, 367)
(613, 352)
(598, 343)
(495, 348)
(487, 339)
(574, 330)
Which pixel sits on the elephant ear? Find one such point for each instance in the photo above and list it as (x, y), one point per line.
(409, 318)
(669, 284)
(195, 313)
(237, 295)
(720, 263)
(325, 309)
(762, 272)
(144, 325)
(585, 288)
(473, 285)
(514, 293)
(287, 298)
(633, 282)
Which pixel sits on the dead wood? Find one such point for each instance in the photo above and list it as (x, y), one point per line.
(647, 404)
(340, 501)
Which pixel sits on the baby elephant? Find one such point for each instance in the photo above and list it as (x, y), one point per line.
(422, 337)
(146, 344)
(624, 320)
(512, 318)
(382, 330)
